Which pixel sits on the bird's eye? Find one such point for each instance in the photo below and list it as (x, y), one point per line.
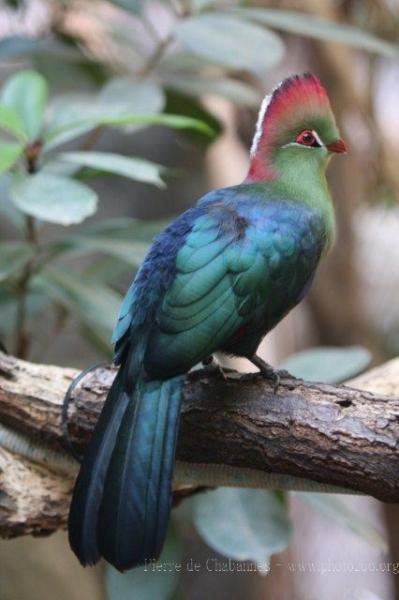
(307, 138)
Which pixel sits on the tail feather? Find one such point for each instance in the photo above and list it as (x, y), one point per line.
(89, 484)
(88, 491)
(137, 492)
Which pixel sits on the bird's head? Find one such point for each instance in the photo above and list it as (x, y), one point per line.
(295, 126)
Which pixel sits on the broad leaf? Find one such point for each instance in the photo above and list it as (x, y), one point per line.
(192, 107)
(26, 94)
(240, 93)
(184, 62)
(139, 96)
(55, 137)
(126, 229)
(328, 364)
(154, 581)
(72, 115)
(92, 303)
(53, 198)
(13, 257)
(9, 154)
(304, 24)
(332, 507)
(11, 122)
(243, 524)
(16, 46)
(214, 36)
(134, 168)
(130, 251)
(125, 239)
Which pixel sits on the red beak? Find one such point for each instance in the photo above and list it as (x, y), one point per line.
(338, 147)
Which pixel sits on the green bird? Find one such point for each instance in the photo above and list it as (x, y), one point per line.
(218, 278)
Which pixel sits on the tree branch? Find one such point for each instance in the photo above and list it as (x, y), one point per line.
(232, 432)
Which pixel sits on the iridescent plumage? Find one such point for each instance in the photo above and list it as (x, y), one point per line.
(217, 279)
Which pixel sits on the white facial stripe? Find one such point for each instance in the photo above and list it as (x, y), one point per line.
(259, 123)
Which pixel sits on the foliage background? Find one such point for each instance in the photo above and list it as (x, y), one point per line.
(86, 183)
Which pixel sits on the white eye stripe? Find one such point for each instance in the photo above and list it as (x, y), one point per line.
(316, 137)
(296, 144)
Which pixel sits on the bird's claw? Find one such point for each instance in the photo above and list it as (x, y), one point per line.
(273, 375)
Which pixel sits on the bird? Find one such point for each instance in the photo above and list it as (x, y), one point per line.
(217, 279)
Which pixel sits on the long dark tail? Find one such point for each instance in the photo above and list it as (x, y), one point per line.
(121, 502)
(136, 503)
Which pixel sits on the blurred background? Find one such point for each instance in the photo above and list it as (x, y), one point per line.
(94, 169)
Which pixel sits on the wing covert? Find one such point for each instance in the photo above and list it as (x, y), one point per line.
(222, 278)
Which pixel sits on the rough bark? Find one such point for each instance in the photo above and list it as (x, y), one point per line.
(335, 435)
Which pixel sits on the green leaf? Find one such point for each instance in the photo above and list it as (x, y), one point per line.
(11, 122)
(53, 198)
(328, 364)
(94, 304)
(16, 46)
(307, 25)
(75, 114)
(9, 154)
(125, 228)
(240, 93)
(214, 36)
(63, 115)
(13, 257)
(134, 168)
(243, 524)
(150, 582)
(26, 94)
(139, 96)
(191, 107)
(56, 136)
(332, 507)
(130, 251)
(125, 239)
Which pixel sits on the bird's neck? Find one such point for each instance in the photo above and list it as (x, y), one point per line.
(299, 178)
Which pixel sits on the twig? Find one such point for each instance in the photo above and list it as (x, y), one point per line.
(156, 56)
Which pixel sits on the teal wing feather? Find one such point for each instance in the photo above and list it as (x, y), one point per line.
(229, 270)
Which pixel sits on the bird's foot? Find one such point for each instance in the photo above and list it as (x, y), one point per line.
(269, 373)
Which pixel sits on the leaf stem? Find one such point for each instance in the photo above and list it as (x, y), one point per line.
(156, 56)
(23, 341)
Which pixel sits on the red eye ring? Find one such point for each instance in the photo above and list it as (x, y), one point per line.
(306, 138)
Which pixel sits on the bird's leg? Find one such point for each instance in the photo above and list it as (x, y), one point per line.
(274, 375)
(214, 366)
